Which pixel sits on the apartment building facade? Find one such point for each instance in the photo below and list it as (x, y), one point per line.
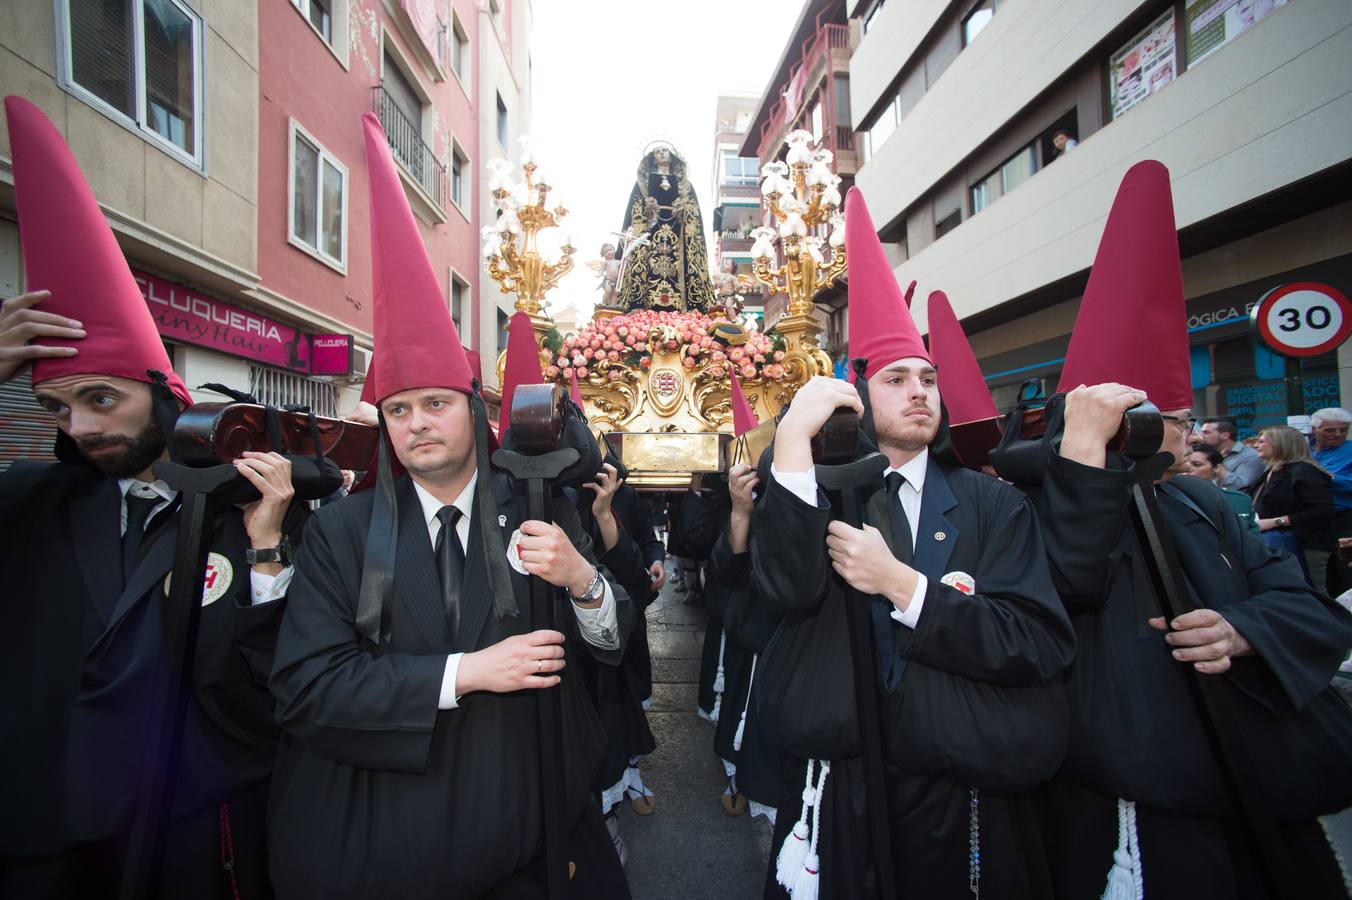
(993, 135)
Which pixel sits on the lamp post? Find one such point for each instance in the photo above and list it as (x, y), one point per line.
(802, 194)
(511, 250)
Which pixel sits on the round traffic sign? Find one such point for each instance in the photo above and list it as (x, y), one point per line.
(1302, 319)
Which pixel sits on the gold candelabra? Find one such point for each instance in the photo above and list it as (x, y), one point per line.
(803, 196)
(511, 250)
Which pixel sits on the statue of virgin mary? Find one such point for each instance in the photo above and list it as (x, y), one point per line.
(665, 264)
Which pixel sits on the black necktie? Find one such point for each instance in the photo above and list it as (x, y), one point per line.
(138, 512)
(890, 664)
(901, 523)
(451, 562)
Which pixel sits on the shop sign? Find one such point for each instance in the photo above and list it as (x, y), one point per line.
(184, 315)
(1303, 319)
(1142, 66)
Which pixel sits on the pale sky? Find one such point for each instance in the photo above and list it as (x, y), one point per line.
(612, 76)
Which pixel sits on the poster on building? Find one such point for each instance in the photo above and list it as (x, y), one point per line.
(1142, 66)
(1211, 24)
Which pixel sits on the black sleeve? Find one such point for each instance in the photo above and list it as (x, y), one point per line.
(565, 514)
(1084, 514)
(649, 543)
(1301, 637)
(334, 695)
(256, 628)
(790, 569)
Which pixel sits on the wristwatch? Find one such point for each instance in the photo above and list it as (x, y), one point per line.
(279, 554)
(594, 591)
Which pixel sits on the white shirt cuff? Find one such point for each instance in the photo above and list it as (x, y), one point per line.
(449, 699)
(266, 588)
(912, 614)
(802, 485)
(600, 626)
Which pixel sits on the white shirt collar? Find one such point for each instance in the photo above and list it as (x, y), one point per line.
(431, 505)
(914, 470)
(158, 487)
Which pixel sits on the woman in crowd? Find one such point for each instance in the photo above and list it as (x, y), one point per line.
(1205, 461)
(1294, 501)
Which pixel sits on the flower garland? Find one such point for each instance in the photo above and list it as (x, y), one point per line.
(604, 346)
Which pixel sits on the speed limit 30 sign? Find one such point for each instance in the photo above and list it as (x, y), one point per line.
(1303, 319)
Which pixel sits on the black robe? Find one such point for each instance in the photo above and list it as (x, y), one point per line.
(748, 624)
(1135, 732)
(74, 688)
(1011, 631)
(378, 793)
(636, 519)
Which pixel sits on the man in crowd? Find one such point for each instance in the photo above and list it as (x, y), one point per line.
(408, 667)
(1332, 451)
(960, 603)
(1142, 802)
(1243, 468)
(88, 546)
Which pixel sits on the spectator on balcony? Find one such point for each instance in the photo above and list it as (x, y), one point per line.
(1064, 142)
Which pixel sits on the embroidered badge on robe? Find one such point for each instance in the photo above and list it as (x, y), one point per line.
(960, 581)
(219, 576)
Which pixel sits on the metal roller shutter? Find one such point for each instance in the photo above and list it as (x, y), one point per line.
(27, 431)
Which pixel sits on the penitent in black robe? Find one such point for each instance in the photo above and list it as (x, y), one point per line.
(377, 792)
(748, 625)
(74, 681)
(1135, 731)
(1011, 632)
(613, 690)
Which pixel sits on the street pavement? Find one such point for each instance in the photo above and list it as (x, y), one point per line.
(688, 847)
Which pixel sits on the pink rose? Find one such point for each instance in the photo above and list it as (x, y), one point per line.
(759, 357)
(614, 374)
(551, 372)
(779, 356)
(748, 371)
(715, 371)
(582, 372)
(672, 345)
(568, 373)
(613, 356)
(645, 361)
(736, 354)
(718, 356)
(622, 331)
(562, 361)
(688, 363)
(588, 353)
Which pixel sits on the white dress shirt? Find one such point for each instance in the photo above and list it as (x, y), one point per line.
(262, 588)
(803, 485)
(599, 626)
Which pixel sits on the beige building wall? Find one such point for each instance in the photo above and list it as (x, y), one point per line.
(504, 69)
(1269, 109)
(195, 225)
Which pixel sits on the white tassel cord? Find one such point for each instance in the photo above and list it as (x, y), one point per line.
(718, 678)
(794, 849)
(741, 725)
(808, 883)
(1125, 880)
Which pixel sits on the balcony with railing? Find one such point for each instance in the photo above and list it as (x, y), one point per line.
(826, 50)
(409, 150)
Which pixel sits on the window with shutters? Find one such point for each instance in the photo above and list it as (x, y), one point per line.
(139, 62)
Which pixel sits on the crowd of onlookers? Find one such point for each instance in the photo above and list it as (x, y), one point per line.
(1294, 490)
